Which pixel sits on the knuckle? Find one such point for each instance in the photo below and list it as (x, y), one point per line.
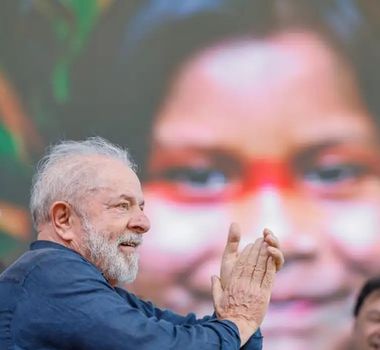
(259, 270)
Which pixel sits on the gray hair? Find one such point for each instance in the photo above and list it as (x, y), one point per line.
(65, 174)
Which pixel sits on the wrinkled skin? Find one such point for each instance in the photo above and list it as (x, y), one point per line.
(242, 293)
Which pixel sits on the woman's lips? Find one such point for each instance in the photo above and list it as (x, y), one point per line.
(301, 314)
(316, 299)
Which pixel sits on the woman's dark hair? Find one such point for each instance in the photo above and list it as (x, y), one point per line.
(136, 72)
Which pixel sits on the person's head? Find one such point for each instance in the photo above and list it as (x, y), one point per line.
(366, 329)
(86, 196)
(262, 113)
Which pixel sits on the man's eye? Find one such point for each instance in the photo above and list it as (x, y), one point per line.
(123, 205)
(197, 178)
(334, 174)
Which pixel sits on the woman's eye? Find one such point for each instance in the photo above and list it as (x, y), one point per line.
(197, 178)
(334, 174)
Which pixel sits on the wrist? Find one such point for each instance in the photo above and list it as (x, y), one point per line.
(246, 328)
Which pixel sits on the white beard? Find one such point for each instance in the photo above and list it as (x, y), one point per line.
(107, 257)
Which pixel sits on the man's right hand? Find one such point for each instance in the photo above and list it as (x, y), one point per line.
(245, 299)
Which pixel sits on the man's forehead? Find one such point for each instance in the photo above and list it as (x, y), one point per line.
(114, 175)
(110, 194)
(108, 165)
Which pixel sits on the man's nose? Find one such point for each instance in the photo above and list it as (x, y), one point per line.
(139, 223)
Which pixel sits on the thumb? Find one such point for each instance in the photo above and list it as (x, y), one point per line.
(217, 294)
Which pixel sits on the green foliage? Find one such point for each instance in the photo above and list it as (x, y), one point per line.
(8, 145)
(73, 31)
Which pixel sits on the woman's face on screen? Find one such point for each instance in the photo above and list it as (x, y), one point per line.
(268, 133)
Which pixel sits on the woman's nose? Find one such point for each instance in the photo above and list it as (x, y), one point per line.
(291, 217)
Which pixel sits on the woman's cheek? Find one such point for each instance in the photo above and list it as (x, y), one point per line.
(181, 233)
(355, 229)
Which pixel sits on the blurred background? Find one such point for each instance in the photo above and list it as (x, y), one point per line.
(262, 112)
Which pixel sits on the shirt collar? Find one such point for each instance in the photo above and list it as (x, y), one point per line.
(41, 244)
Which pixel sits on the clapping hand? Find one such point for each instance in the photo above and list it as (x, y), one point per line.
(242, 292)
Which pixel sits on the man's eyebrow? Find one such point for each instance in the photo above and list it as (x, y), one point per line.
(132, 199)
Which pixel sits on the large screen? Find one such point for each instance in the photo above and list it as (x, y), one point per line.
(265, 113)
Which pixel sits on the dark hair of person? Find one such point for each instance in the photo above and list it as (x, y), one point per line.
(368, 288)
(133, 76)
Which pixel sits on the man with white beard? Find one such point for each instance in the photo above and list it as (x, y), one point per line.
(87, 207)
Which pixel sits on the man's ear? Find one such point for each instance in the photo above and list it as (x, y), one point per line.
(62, 219)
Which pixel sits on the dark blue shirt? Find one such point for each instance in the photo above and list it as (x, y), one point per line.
(53, 298)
